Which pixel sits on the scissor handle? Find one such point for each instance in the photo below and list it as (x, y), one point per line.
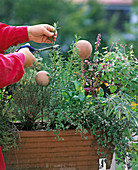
(32, 49)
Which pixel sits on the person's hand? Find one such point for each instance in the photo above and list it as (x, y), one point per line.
(42, 33)
(29, 57)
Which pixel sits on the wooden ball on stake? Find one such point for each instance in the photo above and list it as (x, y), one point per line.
(42, 78)
(84, 50)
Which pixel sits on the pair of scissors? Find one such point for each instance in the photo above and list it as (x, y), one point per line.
(33, 50)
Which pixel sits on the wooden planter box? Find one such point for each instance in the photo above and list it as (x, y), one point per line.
(40, 150)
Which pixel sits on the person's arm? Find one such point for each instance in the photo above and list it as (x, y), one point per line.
(11, 68)
(12, 65)
(2, 164)
(12, 35)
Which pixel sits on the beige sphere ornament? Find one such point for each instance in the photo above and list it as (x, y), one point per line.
(42, 78)
(84, 49)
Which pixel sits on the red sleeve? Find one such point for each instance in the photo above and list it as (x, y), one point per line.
(11, 68)
(12, 35)
(2, 164)
(11, 65)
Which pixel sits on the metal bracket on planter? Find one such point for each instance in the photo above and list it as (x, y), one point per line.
(102, 164)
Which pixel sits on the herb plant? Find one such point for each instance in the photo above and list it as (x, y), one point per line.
(8, 132)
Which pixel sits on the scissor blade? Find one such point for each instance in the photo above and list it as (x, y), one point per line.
(48, 48)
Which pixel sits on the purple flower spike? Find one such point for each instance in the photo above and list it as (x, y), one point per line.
(98, 42)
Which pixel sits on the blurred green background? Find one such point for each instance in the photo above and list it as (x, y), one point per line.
(115, 22)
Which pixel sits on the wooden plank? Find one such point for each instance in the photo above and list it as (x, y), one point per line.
(61, 164)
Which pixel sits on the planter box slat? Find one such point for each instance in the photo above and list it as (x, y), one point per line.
(58, 144)
(49, 134)
(57, 159)
(54, 155)
(54, 149)
(43, 165)
(53, 138)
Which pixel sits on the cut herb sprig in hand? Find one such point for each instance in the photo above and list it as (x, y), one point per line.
(55, 25)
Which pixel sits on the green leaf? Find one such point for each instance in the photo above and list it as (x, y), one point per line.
(116, 80)
(113, 88)
(66, 96)
(78, 86)
(81, 96)
(101, 93)
(105, 77)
